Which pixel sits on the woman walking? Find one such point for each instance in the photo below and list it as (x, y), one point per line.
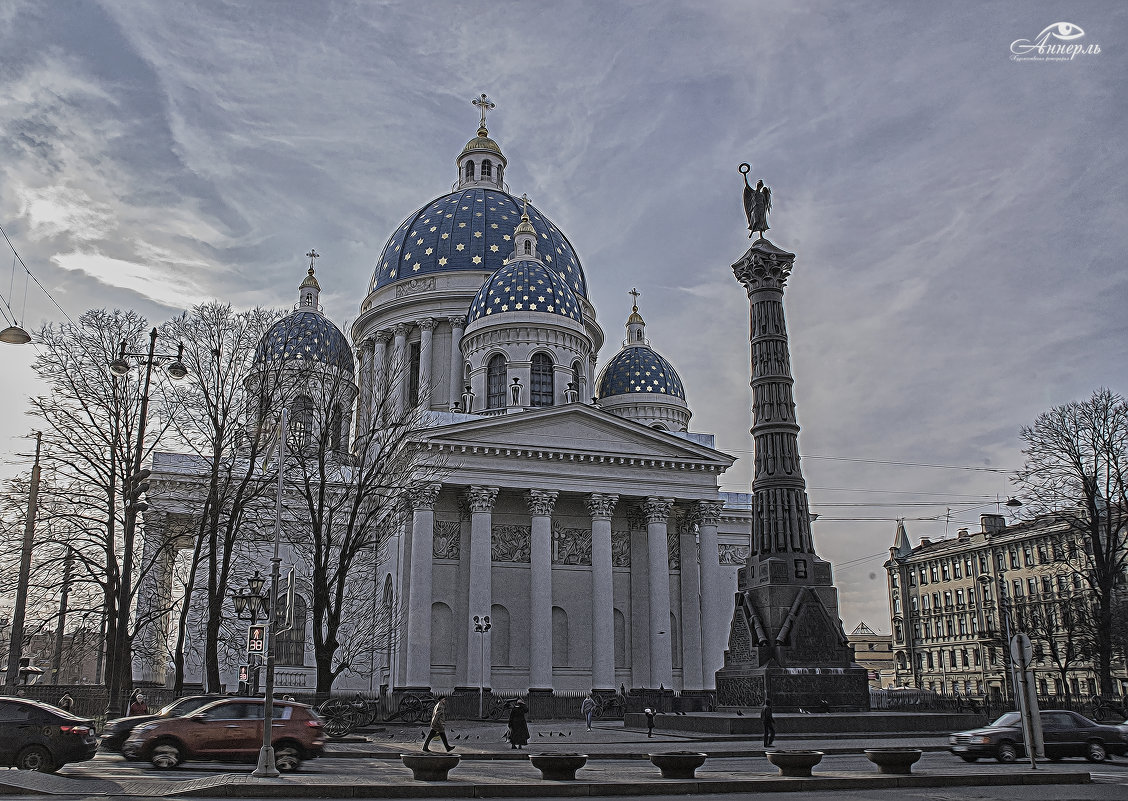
(438, 726)
(518, 726)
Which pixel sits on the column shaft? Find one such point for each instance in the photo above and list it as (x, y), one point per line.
(541, 504)
(714, 602)
(398, 371)
(379, 400)
(602, 593)
(419, 593)
(425, 339)
(481, 500)
(457, 324)
(690, 603)
(661, 657)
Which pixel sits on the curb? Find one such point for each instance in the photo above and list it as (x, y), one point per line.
(522, 756)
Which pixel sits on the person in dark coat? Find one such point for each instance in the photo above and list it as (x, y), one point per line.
(649, 721)
(438, 726)
(768, 722)
(518, 725)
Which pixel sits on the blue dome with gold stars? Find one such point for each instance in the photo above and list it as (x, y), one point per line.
(638, 368)
(471, 229)
(524, 286)
(305, 335)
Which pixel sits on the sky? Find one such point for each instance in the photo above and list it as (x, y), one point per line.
(957, 212)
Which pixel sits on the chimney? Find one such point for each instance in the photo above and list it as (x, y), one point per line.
(992, 524)
(925, 541)
(962, 535)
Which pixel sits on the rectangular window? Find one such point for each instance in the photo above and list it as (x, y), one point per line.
(912, 578)
(956, 569)
(1032, 587)
(1043, 557)
(959, 597)
(913, 603)
(969, 564)
(1014, 558)
(984, 563)
(947, 599)
(924, 602)
(1063, 588)
(413, 375)
(963, 632)
(1016, 588)
(1047, 585)
(923, 577)
(935, 600)
(1028, 556)
(933, 573)
(893, 580)
(946, 571)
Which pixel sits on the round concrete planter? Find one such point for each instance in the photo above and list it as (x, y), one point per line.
(430, 767)
(795, 763)
(893, 760)
(558, 767)
(678, 764)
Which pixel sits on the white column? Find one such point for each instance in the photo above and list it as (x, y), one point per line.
(397, 372)
(379, 383)
(419, 592)
(364, 398)
(602, 593)
(714, 605)
(457, 382)
(657, 511)
(541, 503)
(481, 501)
(462, 597)
(690, 604)
(427, 324)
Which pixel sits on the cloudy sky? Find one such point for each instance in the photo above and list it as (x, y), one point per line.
(958, 215)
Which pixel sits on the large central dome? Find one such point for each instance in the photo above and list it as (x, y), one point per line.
(471, 229)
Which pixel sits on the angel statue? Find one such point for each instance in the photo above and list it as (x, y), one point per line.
(757, 203)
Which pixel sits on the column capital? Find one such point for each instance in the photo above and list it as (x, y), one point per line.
(541, 502)
(383, 336)
(423, 496)
(657, 510)
(601, 505)
(706, 513)
(367, 345)
(458, 321)
(428, 323)
(481, 499)
(401, 329)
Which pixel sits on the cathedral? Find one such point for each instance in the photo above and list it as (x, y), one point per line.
(570, 502)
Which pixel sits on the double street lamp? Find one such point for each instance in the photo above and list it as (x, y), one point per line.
(136, 484)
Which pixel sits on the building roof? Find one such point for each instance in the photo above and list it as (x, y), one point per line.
(524, 286)
(639, 368)
(305, 335)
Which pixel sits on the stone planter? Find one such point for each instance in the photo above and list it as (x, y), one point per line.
(795, 763)
(678, 764)
(430, 767)
(893, 760)
(558, 767)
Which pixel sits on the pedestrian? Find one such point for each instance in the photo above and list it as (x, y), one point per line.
(768, 722)
(649, 721)
(137, 705)
(518, 726)
(587, 709)
(66, 703)
(438, 726)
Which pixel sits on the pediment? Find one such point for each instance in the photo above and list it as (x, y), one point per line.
(574, 429)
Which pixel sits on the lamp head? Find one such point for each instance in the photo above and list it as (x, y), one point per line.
(255, 583)
(120, 366)
(240, 603)
(177, 370)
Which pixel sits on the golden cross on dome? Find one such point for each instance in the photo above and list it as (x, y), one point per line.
(635, 293)
(484, 104)
(313, 254)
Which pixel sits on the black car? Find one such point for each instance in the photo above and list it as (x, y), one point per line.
(1065, 734)
(117, 731)
(38, 736)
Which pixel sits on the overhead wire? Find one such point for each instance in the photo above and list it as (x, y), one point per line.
(30, 275)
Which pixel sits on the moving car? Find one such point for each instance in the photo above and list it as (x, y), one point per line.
(1065, 734)
(115, 732)
(38, 736)
(230, 730)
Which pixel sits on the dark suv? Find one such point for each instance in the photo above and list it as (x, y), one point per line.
(1065, 734)
(38, 736)
(230, 730)
(115, 732)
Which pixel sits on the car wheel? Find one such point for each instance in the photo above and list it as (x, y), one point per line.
(35, 757)
(287, 758)
(1007, 752)
(968, 757)
(1096, 752)
(166, 754)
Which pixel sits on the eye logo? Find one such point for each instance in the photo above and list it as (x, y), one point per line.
(1056, 42)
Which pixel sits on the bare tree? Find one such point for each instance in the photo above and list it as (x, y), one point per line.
(1076, 468)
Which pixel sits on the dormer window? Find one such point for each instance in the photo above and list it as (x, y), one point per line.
(487, 169)
(528, 247)
(469, 171)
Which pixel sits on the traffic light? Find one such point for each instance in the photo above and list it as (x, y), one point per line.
(256, 639)
(137, 486)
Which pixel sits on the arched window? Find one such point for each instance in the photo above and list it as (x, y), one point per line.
(495, 383)
(560, 656)
(542, 392)
(442, 635)
(528, 247)
(499, 636)
(301, 422)
(290, 647)
(487, 169)
(576, 374)
(469, 171)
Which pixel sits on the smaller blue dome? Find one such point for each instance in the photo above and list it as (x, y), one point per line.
(638, 368)
(524, 286)
(305, 335)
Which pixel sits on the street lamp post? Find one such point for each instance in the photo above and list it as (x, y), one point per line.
(15, 645)
(136, 485)
(481, 628)
(253, 601)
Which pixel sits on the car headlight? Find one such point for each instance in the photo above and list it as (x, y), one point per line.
(981, 739)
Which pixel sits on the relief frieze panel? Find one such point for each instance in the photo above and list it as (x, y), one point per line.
(511, 543)
(447, 540)
(571, 546)
(620, 548)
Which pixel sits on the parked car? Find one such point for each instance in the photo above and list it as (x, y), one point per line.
(115, 732)
(230, 730)
(1065, 734)
(38, 736)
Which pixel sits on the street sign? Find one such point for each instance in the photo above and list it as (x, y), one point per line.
(244, 672)
(256, 639)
